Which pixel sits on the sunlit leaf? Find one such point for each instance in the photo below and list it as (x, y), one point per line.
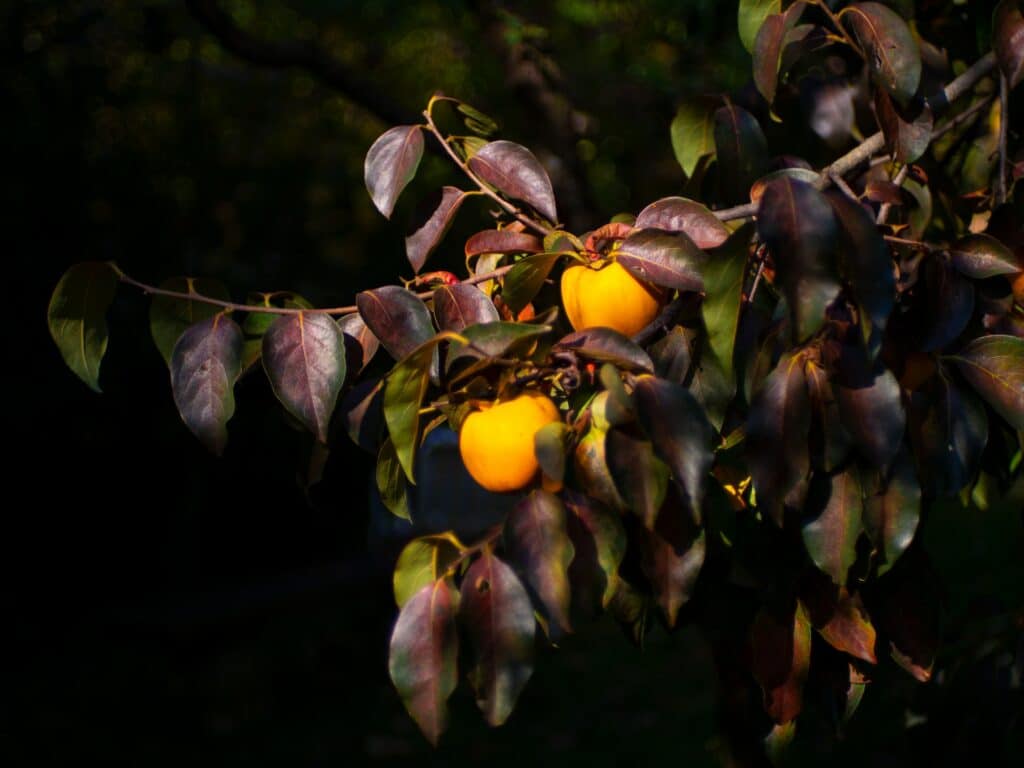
(205, 364)
(677, 214)
(831, 535)
(431, 229)
(723, 294)
(502, 241)
(169, 317)
(607, 346)
(525, 279)
(693, 136)
(424, 655)
(751, 15)
(423, 561)
(255, 324)
(397, 317)
(981, 256)
(668, 259)
(768, 45)
(462, 305)
(366, 344)
(304, 357)
(77, 317)
(498, 618)
(893, 57)
(391, 164)
(841, 619)
(994, 366)
(496, 339)
(514, 171)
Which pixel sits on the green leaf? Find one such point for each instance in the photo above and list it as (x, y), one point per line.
(491, 340)
(498, 618)
(391, 482)
(891, 516)
(205, 364)
(693, 136)
(423, 657)
(994, 366)
(751, 16)
(391, 164)
(723, 294)
(681, 434)
(304, 357)
(599, 542)
(403, 393)
(893, 57)
(169, 317)
(539, 547)
(709, 384)
(831, 536)
(550, 444)
(525, 279)
(77, 317)
(768, 45)
(423, 561)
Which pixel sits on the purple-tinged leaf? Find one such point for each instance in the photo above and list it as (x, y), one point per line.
(430, 232)
(677, 214)
(364, 419)
(806, 175)
(780, 654)
(607, 346)
(550, 445)
(797, 223)
(391, 164)
(205, 364)
(365, 342)
(908, 132)
(768, 46)
(513, 170)
(671, 355)
(870, 407)
(893, 57)
(672, 556)
(830, 443)
(948, 431)
(741, 150)
(256, 323)
(538, 546)
(981, 256)
(891, 516)
(681, 434)
(839, 617)
(599, 543)
(77, 318)
(949, 303)
(459, 306)
(169, 317)
(397, 317)
(908, 611)
(304, 357)
(668, 259)
(503, 241)
(751, 15)
(498, 618)
(423, 658)
(496, 339)
(1008, 39)
(777, 435)
(994, 366)
(640, 477)
(831, 536)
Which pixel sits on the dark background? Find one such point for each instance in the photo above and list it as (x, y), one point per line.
(165, 606)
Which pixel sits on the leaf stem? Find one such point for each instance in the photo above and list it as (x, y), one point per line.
(883, 211)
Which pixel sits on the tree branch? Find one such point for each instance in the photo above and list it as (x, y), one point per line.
(308, 56)
(1004, 119)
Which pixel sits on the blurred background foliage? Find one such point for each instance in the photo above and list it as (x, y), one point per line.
(169, 607)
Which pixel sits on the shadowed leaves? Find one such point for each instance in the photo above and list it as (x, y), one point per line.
(907, 130)
(672, 556)
(891, 516)
(768, 46)
(780, 657)
(892, 54)
(948, 431)
(831, 536)
(364, 344)
(404, 389)
(1008, 39)
(949, 302)
(980, 256)
(599, 542)
(77, 317)
(513, 170)
(424, 655)
(525, 279)
(430, 232)
(870, 407)
(499, 622)
(391, 164)
(205, 364)
(723, 293)
(741, 149)
(994, 366)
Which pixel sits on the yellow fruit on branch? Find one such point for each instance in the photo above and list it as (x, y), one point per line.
(496, 442)
(609, 296)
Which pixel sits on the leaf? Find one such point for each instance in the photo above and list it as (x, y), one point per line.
(422, 562)
(843, 622)
(367, 344)
(607, 346)
(677, 214)
(709, 384)
(891, 516)
(363, 415)
(391, 164)
(831, 536)
(423, 657)
(525, 279)
(462, 305)
(430, 231)
(741, 149)
(907, 131)
(490, 340)
(796, 222)
(806, 175)
(169, 317)
(767, 48)
(723, 293)
(502, 241)
(830, 443)
(513, 170)
(994, 366)
(669, 259)
(949, 302)
(681, 434)
(693, 137)
(499, 622)
(640, 477)
(538, 546)
(205, 364)
(751, 15)
(255, 324)
(77, 317)
(391, 482)
(1008, 40)
(404, 389)
(866, 264)
(304, 357)
(672, 557)
(396, 317)
(777, 433)
(907, 610)
(671, 355)
(781, 656)
(893, 57)
(871, 408)
(599, 543)
(550, 444)
(981, 256)
(476, 120)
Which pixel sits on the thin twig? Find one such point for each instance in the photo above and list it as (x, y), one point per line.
(1004, 119)
(883, 212)
(840, 182)
(920, 245)
(961, 118)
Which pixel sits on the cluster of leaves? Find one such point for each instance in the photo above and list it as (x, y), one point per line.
(815, 380)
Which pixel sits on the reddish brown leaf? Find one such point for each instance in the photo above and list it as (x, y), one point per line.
(429, 233)
(458, 306)
(502, 241)
(780, 657)
(677, 214)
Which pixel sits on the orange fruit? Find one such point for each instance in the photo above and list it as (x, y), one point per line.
(609, 296)
(1018, 288)
(496, 442)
